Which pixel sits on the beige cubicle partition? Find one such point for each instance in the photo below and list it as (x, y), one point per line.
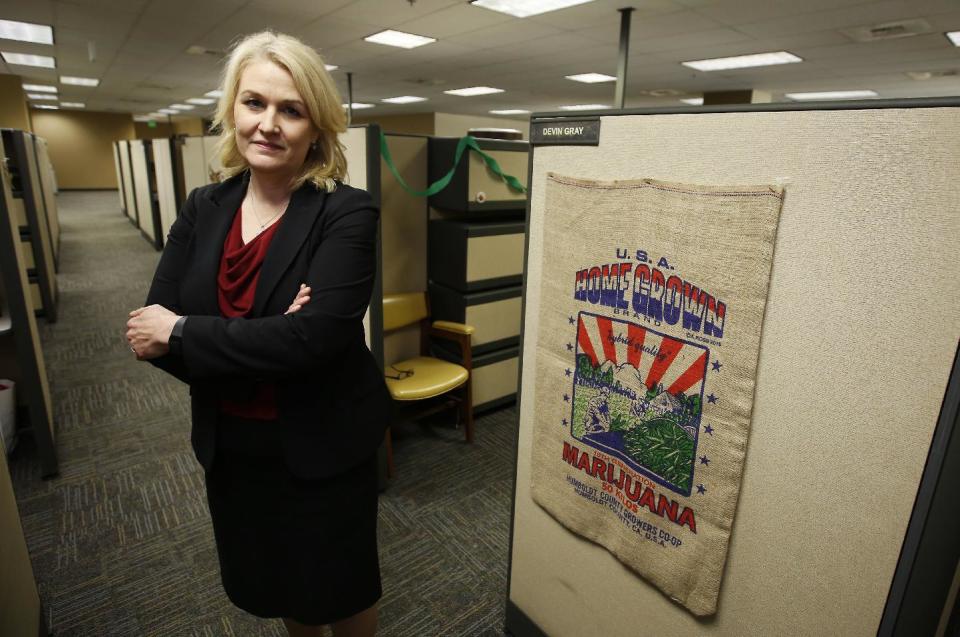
(48, 181)
(128, 188)
(403, 222)
(119, 171)
(139, 165)
(164, 172)
(200, 161)
(21, 354)
(860, 333)
(20, 610)
(30, 206)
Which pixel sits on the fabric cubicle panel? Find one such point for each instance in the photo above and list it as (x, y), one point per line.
(131, 201)
(851, 375)
(49, 182)
(20, 611)
(166, 190)
(194, 164)
(141, 184)
(403, 222)
(116, 166)
(364, 174)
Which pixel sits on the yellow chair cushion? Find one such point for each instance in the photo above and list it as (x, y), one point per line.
(456, 328)
(431, 377)
(403, 309)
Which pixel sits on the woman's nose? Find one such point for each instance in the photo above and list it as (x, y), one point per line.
(268, 123)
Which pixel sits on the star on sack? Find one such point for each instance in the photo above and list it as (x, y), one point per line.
(570, 319)
(564, 422)
(567, 371)
(708, 429)
(569, 347)
(711, 399)
(566, 398)
(705, 460)
(701, 489)
(716, 366)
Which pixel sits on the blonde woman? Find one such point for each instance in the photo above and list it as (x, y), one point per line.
(288, 404)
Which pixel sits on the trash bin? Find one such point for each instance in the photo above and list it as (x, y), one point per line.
(8, 410)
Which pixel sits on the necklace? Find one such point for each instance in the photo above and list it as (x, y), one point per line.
(264, 224)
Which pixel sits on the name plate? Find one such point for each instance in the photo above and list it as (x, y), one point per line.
(566, 132)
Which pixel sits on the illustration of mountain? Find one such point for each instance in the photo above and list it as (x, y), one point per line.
(626, 374)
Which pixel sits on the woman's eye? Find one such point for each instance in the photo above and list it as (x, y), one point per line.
(292, 111)
(253, 102)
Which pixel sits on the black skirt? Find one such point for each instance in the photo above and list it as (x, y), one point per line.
(289, 547)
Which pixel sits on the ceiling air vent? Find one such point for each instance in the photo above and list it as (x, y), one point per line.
(887, 31)
(425, 81)
(933, 75)
(196, 49)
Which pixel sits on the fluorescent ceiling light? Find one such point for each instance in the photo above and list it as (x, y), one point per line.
(142, 118)
(744, 61)
(73, 104)
(214, 93)
(474, 90)
(331, 67)
(832, 95)
(510, 111)
(201, 101)
(41, 96)
(524, 8)
(359, 105)
(26, 32)
(46, 107)
(23, 59)
(399, 38)
(693, 101)
(168, 111)
(954, 36)
(40, 88)
(79, 81)
(591, 78)
(182, 107)
(403, 99)
(583, 107)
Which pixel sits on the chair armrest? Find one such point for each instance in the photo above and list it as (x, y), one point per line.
(458, 333)
(456, 328)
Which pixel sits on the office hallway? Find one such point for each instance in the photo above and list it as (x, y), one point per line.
(121, 541)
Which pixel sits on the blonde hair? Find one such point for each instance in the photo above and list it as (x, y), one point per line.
(323, 164)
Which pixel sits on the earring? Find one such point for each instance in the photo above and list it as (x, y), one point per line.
(313, 146)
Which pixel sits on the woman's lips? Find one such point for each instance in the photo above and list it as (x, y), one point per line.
(267, 146)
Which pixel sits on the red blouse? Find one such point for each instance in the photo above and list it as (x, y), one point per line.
(236, 285)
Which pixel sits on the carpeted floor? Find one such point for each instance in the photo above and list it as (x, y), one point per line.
(121, 541)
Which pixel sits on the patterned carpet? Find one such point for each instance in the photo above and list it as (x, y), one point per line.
(121, 541)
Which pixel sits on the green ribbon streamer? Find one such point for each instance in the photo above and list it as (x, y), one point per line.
(464, 143)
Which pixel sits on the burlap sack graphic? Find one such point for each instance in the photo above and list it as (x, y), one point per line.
(651, 306)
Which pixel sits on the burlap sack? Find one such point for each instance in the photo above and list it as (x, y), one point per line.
(652, 303)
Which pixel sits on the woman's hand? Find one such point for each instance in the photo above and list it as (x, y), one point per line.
(148, 331)
(303, 296)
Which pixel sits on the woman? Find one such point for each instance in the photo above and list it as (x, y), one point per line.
(288, 404)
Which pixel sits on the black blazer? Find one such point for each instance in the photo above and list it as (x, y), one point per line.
(332, 400)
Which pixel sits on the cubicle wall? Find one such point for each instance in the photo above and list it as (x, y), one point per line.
(21, 355)
(403, 221)
(850, 426)
(128, 188)
(165, 178)
(34, 229)
(141, 164)
(48, 181)
(119, 170)
(200, 161)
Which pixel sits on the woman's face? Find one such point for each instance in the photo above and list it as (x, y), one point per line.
(273, 127)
